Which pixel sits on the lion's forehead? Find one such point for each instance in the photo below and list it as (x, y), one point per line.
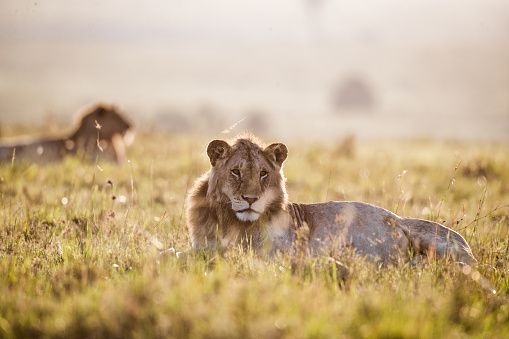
(248, 159)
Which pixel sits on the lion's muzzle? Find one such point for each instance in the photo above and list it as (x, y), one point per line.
(248, 208)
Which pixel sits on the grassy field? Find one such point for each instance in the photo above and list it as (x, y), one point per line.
(80, 244)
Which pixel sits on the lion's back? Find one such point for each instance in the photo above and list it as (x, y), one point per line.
(33, 149)
(370, 229)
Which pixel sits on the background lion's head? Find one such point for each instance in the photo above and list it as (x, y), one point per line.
(109, 117)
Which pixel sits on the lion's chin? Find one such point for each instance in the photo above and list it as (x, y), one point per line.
(248, 215)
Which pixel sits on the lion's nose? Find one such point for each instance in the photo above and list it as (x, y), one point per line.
(249, 199)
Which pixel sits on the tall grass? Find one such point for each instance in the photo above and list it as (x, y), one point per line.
(80, 244)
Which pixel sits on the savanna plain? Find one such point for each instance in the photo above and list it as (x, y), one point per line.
(80, 246)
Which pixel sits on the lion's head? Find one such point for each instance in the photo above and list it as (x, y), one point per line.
(111, 120)
(104, 126)
(247, 177)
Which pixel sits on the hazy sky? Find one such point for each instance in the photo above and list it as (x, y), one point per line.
(427, 63)
(429, 21)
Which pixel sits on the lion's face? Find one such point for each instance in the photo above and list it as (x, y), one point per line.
(247, 177)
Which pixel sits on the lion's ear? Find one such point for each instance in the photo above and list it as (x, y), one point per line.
(217, 149)
(278, 152)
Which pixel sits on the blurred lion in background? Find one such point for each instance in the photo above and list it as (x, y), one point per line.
(102, 130)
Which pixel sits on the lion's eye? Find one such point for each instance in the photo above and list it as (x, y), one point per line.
(263, 174)
(236, 172)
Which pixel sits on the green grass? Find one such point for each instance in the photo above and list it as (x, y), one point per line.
(88, 265)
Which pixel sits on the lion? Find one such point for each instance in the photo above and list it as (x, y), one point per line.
(102, 129)
(242, 200)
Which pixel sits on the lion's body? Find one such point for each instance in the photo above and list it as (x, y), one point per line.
(113, 128)
(378, 233)
(242, 200)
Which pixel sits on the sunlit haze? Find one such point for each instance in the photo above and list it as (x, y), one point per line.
(317, 69)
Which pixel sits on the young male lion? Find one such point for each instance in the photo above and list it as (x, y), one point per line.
(101, 130)
(242, 199)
